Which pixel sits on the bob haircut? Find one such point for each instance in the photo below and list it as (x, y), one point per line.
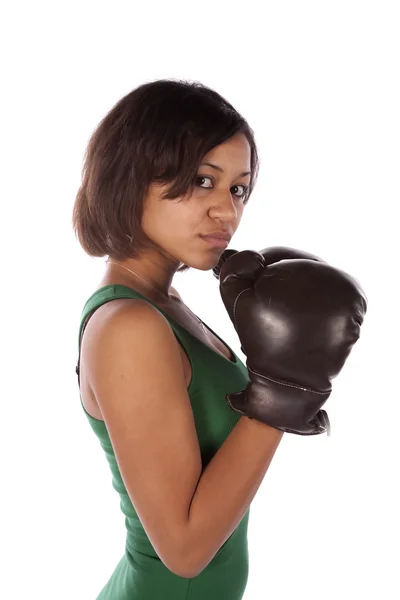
(159, 132)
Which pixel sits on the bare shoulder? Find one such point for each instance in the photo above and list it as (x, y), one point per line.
(174, 293)
(137, 376)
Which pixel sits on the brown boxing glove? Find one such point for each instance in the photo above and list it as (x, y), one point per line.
(297, 318)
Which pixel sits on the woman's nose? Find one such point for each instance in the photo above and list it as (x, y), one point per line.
(223, 205)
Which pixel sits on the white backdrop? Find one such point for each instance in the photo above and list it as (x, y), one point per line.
(319, 84)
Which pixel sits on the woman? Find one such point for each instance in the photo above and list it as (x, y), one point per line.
(167, 175)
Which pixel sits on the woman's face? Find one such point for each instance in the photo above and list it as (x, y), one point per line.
(217, 202)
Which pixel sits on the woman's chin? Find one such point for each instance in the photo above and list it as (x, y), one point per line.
(206, 262)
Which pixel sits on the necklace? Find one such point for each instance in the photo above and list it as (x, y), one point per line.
(133, 272)
(157, 289)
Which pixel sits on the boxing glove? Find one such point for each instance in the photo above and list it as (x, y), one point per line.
(297, 320)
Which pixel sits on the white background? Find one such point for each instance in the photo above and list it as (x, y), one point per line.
(319, 84)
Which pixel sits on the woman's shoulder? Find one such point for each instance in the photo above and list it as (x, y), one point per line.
(174, 293)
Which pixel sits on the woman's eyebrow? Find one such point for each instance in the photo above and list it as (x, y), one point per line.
(220, 169)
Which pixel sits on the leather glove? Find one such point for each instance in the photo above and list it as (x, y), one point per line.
(297, 319)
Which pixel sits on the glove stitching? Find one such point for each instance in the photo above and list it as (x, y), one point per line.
(234, 305)
(290, 384)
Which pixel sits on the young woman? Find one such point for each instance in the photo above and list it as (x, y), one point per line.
(167, 175)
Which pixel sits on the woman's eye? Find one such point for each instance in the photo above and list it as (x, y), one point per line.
(201, 177)
(245, 188)
(240, 195)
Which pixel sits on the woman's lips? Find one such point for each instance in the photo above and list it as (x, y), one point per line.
(215, 242)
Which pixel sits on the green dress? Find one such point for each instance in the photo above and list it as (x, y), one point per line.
(140, 574)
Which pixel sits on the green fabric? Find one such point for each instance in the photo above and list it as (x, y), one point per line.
(140, 574)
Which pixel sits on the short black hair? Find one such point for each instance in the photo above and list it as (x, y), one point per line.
(159, 132)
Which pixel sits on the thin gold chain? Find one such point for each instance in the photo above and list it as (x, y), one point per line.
(157, 289)
(130, 270)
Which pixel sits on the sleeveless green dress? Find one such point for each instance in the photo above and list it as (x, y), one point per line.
(140, 574)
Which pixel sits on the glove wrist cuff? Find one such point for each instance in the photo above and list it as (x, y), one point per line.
(257, 376)
(285, 406)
